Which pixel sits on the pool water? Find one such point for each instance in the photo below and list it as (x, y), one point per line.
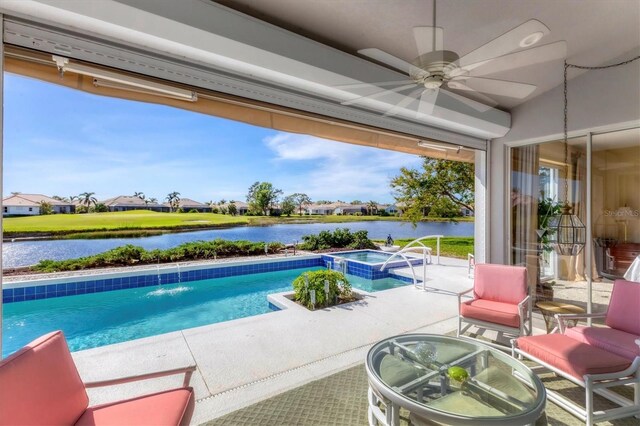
(97, 319)
(366, 256)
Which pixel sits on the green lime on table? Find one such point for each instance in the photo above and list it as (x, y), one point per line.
(457, 373)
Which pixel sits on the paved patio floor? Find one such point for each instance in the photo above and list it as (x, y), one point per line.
(244, 361)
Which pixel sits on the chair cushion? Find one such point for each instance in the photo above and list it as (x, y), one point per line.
(623, 307)
(40, 384)
(500, 283)
(173, 407)
(490, 311)
(609, 339)
(571, 356)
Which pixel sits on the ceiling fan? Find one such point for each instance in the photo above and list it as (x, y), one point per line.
(435, 71)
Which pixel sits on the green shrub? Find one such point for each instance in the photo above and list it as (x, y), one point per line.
(193, 211)
(133, 255)
(340, 238)
(339, 288)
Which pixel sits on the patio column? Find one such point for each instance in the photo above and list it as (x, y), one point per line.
(480, 228)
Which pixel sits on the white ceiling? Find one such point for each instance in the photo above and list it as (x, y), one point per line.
(597, 31)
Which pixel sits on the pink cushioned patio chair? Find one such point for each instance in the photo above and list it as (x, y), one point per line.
(40, 385)
(595, 358)
(500, 301)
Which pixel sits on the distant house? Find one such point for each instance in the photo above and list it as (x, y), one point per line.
(351, 209)
(465, 212)
(29, 205)
(242, 208)
(392, 209)
(187, 204)
(323, 209)
(123, 203)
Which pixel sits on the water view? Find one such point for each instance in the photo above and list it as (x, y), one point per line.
(24, 253)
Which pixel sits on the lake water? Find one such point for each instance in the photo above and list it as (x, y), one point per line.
(24, 253)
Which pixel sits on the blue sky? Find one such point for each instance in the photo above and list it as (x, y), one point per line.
(60, 141)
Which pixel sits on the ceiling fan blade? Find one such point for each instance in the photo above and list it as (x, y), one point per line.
(427, 102)
(491, 86)
(379, 94)
(425, 41)
(377, 84)
(387, 58)
(413, 96)
(536, 55)
(522, 36)
(483, 104)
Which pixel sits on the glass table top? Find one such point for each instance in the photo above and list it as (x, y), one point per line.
(450, 379)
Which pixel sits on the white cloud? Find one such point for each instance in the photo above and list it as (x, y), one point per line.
(338, 170)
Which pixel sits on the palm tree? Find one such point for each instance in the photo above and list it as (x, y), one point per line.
(173, 198)
(372, 206)
(152, 200)
(139, 195)
(72, 198)
(87, 198)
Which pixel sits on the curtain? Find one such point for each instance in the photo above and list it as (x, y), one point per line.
(525, 189)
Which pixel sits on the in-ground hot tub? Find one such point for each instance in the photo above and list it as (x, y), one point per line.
(366, 263)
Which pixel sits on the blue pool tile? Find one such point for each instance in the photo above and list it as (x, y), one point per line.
(7, 299)
(7, 292)
(18, 298)
(18, 292)
(28, 291)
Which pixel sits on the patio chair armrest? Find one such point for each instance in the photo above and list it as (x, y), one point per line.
(562, 318)
(187, 371)
(464, 292)
(524, 302)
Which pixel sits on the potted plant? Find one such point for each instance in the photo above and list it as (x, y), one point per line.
(547, 209)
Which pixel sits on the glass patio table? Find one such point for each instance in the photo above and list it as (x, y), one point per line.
(450, 380)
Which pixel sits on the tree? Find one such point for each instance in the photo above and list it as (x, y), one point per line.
(354, 202)
(139, 195)
(222, 201)
(372, 207)
(173, 198)
(300, 200)
(232, 209)
(151, 200)
(46, 208)
(288, 205)
(87, 198)
(262, 197)
(72, 198)
(427, 189)
(99, 208)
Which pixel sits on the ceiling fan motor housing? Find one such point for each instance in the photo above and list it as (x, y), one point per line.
(434, 68)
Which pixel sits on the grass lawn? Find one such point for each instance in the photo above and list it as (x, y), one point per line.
(137, 219)
(449, 246)
(143, 223)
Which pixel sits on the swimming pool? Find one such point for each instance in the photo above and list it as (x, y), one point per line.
(97, 319)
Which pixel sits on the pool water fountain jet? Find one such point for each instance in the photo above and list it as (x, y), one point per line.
(179, 274)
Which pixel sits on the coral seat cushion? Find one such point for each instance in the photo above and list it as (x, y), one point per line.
(623, 307)
(571, 356)
(172, 407)
(609, 339)
(490, 311)
(39, 385)
(500, 283)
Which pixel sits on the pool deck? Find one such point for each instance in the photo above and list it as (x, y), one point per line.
(244, 361)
